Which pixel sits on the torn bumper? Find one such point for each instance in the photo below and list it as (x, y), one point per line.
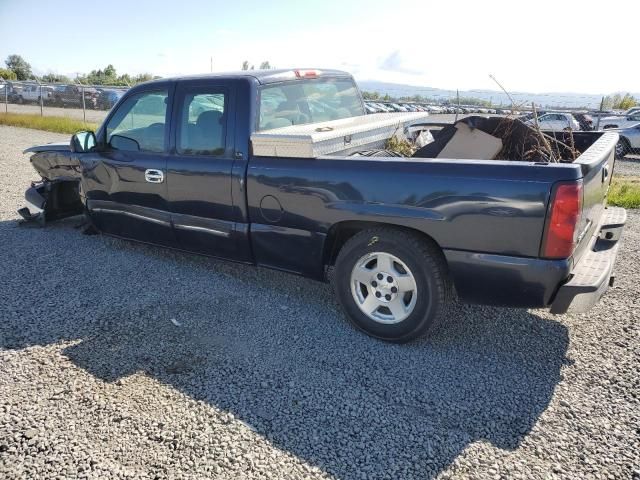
(593, 274)
(51, 200)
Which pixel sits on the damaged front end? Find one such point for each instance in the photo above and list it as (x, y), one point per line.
(57, 195)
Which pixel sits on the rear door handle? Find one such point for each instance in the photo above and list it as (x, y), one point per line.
(152, 175)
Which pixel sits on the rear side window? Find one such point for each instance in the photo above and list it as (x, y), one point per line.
(308, 101)
(202, 126)
(139, 123)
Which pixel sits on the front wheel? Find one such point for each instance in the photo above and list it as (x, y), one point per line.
(392, 284)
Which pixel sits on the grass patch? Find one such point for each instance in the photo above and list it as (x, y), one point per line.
(50, 124)
(625, 192)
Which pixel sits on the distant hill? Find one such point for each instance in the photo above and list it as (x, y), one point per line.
(564, 100)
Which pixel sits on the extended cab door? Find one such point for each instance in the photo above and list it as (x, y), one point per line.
(199, 170)
(125, 183)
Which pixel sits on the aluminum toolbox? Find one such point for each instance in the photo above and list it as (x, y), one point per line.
(326, 138)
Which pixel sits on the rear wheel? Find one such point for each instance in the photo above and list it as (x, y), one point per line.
(622, 147)
(391, 283)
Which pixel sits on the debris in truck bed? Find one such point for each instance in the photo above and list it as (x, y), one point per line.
(470, 143)
(519, 142)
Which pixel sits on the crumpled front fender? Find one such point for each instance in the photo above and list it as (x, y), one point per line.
(57, 164)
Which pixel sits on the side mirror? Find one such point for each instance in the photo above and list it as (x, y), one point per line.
(83, 142)
(118, 142)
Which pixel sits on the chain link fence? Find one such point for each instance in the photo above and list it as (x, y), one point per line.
(89, 103)
(626, 124)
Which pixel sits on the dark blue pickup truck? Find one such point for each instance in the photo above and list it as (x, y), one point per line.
(173, 164)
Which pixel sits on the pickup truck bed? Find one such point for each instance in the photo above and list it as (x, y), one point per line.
(397, 234)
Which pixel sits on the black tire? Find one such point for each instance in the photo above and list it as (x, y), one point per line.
(622, 148)
(427, 265)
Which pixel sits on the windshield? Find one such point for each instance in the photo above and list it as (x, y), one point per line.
(308, 101)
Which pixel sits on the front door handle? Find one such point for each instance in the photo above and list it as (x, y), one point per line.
(152, 175)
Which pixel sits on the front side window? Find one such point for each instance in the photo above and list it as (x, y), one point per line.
(308, 101)
(202, 126)
(139, 124)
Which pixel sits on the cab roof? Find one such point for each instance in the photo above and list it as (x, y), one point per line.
(265, 76)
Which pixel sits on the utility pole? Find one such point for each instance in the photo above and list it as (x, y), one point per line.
(211, 64)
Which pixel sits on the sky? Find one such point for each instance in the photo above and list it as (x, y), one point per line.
(534, 46)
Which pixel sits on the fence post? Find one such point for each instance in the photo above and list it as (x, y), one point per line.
(41, 102)
(600, 115)
(6, 98)
(84, 110)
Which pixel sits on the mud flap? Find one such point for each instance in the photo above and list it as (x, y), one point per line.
(51, 200)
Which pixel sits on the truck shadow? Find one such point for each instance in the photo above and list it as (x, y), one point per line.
(274, 351)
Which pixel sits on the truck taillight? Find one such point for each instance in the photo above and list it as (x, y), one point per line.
(564, 217)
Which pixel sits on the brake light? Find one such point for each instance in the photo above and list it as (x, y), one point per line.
(307, 73)
(564, 217)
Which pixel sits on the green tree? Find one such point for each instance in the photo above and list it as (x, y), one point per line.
(265, 65)
(55, 78)
(8, 74)
(110, 71)
(19, 66)
(245, 65)
(619, 102)
(142, 77)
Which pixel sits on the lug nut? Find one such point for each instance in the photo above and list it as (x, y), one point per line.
(389, 279)
(380, 276)
(394, 290)
(388, 297)
(374, 284)
(378, 294)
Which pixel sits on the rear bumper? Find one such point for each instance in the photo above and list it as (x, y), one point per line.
(593, 274)
(540, 283)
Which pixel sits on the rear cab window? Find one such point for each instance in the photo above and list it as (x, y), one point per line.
(201, 128)
(308, 101)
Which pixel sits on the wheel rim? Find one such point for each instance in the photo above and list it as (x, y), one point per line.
(383, 287)
(620, 149)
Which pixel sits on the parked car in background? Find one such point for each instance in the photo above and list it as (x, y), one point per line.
(622, 121)
(397, 108)
(370, 108)
(629, 141)
(11, 92)
(384, 107)
(556, 122)
(31, 92)
(71, 95)
(632, 111)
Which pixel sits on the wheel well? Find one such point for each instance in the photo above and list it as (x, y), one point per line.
(609, 126)
(341, 232)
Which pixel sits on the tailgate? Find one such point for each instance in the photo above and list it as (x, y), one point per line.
(597, 164)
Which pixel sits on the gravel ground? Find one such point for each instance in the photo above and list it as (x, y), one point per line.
(628, 166)
(119, 360)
